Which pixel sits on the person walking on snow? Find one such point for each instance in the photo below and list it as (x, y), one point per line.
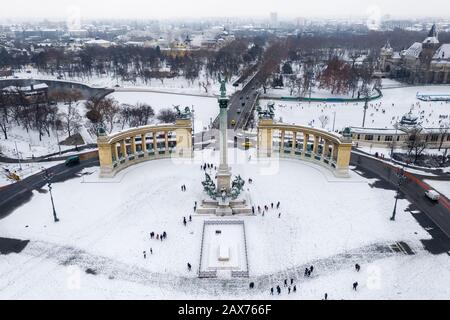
(145, 255)
(189, 267)
(355, 286)
(357, 267)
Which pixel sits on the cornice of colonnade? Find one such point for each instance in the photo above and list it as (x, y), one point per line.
(132, 132)
(330, 136)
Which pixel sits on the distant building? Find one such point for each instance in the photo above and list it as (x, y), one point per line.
(274, 20)
(99, 43)
(423, 62)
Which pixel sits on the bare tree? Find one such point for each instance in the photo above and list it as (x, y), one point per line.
(323, 121)
(416, 143)
(444, 132)
(166, 116)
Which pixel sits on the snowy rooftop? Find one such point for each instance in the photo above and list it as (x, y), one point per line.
(414, 51)
(443, 52)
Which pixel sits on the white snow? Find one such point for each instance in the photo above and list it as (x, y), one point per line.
(321, 216)
(395, 101)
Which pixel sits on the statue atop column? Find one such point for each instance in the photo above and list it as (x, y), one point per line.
(223, 87)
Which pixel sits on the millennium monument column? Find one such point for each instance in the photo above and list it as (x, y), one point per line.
(224, 173)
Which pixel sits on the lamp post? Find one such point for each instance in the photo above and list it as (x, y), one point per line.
(18, 156)
(366, 106)
(334, 120)
(393, 141)
(401, 179)
(47, 179)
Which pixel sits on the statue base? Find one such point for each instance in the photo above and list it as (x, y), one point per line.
(226, 208)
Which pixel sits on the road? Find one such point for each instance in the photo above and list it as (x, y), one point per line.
(413, 190)
(241, 105)
(14, 195)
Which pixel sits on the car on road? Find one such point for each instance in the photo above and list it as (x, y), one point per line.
(72, 161)
(241, 98)
(248, 97)
(233, 122)
(238, 110)
(433, 195)
(243, 104)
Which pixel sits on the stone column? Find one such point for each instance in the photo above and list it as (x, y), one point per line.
(105, 156)
(224, 173)
(114, 151)
(335, 151)
(133, 145)
(123, 149)
(144, 143)
(294, 142)
(283, 134)
(184, 138)
(265, 138)
(343, 159)
(316, 145)
(305, 143)
(166, 141)
(155, 143)
(326, 146)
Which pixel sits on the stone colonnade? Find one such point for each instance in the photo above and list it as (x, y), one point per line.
(329, 149)
(128, 147)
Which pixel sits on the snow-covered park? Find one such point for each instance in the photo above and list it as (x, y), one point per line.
(96, 250)
(382, 113)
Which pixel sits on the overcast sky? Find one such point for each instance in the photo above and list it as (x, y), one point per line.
(162, 9)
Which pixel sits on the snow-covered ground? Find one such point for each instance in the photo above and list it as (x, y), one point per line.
(105, 224)
(206, 109)
(395, 102)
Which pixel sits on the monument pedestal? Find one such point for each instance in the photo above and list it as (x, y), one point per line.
(222, 208)
(224, 179)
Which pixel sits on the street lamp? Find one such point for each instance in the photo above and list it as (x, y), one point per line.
(334, 120)
(18, 156)
(47, 178)
(393, 141)
(366, 106)
(401, 179)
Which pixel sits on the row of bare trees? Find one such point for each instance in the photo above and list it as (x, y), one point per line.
(129, 63)
(43, 116)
